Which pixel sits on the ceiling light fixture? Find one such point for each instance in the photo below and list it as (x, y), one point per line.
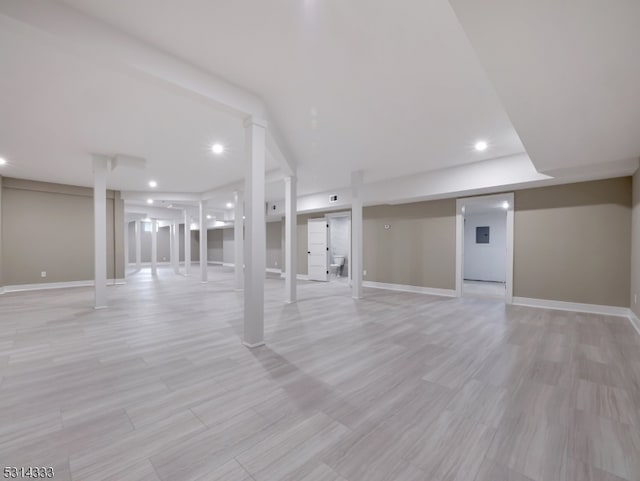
(217, 149)
(208, 216)
(3, 161)
(149, 201)
(229, 205)
(481, 146)
(153, 184)
(505, 205)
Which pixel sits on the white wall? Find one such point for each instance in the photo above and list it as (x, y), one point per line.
(485, 262)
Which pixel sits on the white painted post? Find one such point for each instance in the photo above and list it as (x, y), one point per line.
(174, 250)
(290, 231)
(100, 166)
(126, 247)
(238, 240)
(154, 247)
(356, 235)
(187, 243)
(255, 238)
(203, 241)
(138, 245)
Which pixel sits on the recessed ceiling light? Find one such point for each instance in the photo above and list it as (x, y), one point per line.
(149, 201)
(153, 183)
(217, 149)
(505, 205)
(229, 205)
(208, 216)
(3, 161)
(481, 145)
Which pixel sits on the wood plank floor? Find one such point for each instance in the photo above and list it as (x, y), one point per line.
(395, 387)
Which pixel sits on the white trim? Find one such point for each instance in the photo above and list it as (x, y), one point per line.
(432, 291)
(460, 203)
(57, 285)
(274, 270)
(252, 346)
(302, 277)
(635, 322)
(572, 306)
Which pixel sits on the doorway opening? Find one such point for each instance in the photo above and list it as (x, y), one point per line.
(329, 248)
(484, 247)
(339, 246)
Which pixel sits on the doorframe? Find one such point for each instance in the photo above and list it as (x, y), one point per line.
(460, 206)
(319, 219)
(347, 214)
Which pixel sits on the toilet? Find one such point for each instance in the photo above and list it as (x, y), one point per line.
(336, 267)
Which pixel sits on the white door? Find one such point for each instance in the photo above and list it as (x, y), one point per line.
(317, 250)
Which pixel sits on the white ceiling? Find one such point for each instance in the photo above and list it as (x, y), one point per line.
(351, 85)
(57, 109)
(391, 89)
(568, 73)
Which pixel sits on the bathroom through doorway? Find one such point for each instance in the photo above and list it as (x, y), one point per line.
(339, 251)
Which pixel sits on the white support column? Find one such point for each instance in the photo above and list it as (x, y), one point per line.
(138, 245)
(356, 235)
(203, 241)
(174, 246)
(154, 247)
(100, 167)
(290, 242)
(238, 239)
(126, 247)
(255, 232)
(187, 244)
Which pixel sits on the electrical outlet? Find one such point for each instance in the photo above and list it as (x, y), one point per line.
(43, 274)
(364, 272)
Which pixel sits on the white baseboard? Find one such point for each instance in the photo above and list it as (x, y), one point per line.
(302, 277)
(57, 285)
(432, 291)
(635, 322)
(572, 306)
(274, 270)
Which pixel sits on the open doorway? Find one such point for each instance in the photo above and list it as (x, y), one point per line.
(329, 247)
(339, 246)
(484, 251)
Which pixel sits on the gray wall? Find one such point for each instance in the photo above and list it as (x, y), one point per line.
(573, 242)
(145, 243)
(274, 245)
(228, 247)
(486, 262)
(418, 249)
(49, 227)
(635, 246)
(214, 245)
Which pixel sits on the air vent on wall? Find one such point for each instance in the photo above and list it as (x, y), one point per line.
(333, 198)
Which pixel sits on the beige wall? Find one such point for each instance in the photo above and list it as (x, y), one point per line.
(418, 249)
(274, 245)
(635, 247)
(214, 245)
(49, 227)
(573, 242)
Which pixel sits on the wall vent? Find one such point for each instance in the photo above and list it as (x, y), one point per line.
(333, 198)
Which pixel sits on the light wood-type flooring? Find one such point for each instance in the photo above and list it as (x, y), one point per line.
(394, 387)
